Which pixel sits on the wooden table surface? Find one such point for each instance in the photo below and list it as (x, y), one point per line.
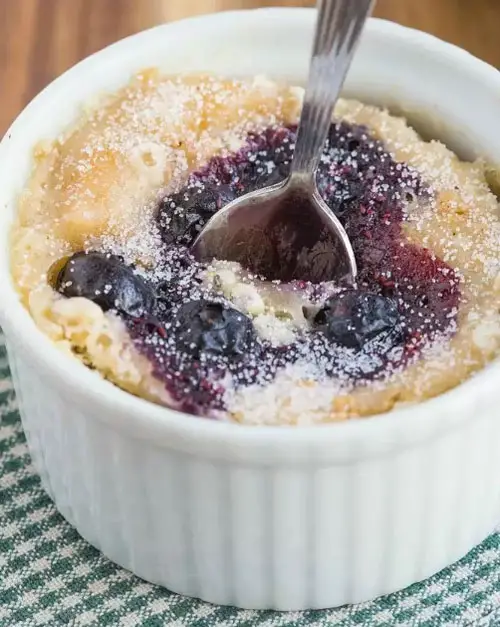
(39, 39)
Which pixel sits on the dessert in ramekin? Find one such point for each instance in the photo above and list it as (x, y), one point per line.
(261, 516)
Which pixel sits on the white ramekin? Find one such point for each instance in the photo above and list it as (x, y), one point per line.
(286, 518)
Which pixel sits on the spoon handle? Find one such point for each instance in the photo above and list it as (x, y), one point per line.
(338, 27)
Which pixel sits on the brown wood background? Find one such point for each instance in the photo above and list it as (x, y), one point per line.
(39, 39)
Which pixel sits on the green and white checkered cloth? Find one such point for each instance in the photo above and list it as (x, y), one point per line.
(50, 576)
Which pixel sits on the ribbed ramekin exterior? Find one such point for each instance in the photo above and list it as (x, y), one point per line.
(303, 535)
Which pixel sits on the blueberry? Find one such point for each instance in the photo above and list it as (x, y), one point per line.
(353, 318)
(208, 327)
(182, 216)
(107, 281)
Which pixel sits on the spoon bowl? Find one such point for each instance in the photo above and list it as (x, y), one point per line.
(286, 231)
(282, 232)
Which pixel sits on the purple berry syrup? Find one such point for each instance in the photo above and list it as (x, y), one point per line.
(370, 193)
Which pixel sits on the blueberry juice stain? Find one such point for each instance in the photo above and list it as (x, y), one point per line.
(197, 341)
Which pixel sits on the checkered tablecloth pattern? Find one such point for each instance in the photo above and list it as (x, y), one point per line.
(50, 576)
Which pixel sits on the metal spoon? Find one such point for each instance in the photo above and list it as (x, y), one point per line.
(286, 231)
